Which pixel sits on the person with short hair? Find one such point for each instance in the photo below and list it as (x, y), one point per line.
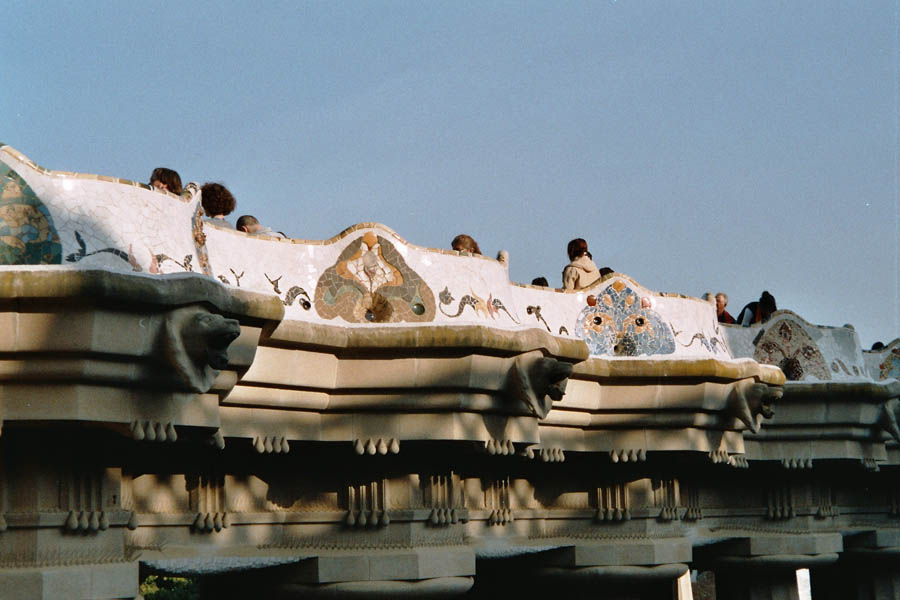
(541, 281)
(465, 243)
(581, 271)
(217, 202)
(722, 314)
(759, 311)
(166, 179)
(250, 224)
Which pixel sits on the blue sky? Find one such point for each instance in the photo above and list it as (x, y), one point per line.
(697, 146)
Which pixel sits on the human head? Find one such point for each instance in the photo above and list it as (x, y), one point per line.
(878, 346)
(767, 305)
(465, 243)
(166, 179)
(577, 247)
(248, 224)
(721, 302)
(542, 281)
(217, 200)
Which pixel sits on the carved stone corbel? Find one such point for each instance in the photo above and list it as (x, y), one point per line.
(537, 380)
(195, 344)
(750, 402)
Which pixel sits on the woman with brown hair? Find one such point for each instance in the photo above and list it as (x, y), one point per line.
(465, 243)
(581, 270)
(166, 179)
(217, 202)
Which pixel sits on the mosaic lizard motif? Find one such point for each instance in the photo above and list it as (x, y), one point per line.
(536, 311)
(786, 345)
(712, 344)
(490, 307)
(82, 252)
(371, 282)
(184, 264)
(620, 323)
(27, 233)
(294, 292)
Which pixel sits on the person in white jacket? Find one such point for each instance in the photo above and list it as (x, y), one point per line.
(581, 271)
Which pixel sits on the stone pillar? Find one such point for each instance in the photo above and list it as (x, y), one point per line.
(683, 589)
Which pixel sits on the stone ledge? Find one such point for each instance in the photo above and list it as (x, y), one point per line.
(600, 368)
(432, 336)
(135, 290)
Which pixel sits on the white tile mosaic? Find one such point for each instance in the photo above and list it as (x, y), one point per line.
(368, 274)
(813, 352)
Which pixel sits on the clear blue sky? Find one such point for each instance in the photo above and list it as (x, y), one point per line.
(697, 146)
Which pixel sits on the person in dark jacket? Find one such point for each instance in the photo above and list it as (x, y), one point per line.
(759, 311)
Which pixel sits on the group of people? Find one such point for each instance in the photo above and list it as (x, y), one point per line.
(758, 311)
(217, 201)
(581, 272)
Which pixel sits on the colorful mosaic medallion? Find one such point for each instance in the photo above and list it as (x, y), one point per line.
(27, 234)
(620, 323)
(370, 282)
(786, 345)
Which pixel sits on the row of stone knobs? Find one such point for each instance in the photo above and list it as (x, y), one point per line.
(270, 444)
(501, 447)
(87, 520)
(153, 431)
(500, 516)
(632, 455)
(443, 516)
(368, 518)
(211, 521)
(379, 446)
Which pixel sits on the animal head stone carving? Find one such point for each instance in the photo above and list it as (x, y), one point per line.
(618, 322)
(536, 381)
(750, 402)
(195, 344)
